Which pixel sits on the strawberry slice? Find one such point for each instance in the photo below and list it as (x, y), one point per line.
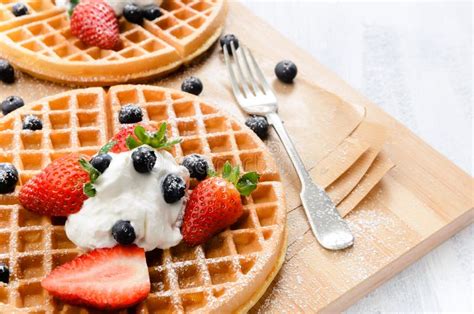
(106, 279)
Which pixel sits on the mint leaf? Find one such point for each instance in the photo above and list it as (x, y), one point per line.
(247, 183)
(107, 147)
(132, 143)
(89, 190)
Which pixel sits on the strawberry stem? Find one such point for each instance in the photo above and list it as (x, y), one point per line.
(245, 184)
(157, 140)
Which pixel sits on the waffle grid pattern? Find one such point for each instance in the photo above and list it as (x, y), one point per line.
(30, 244)
(165, 42)
(36, 10)
(183, 279)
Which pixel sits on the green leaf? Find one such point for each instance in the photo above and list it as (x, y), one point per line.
(234, 175)
(247, 183)
(212, 173)
(93, 173)
(169, 144)
(161, 134)
(140, 132)
(89, 190)
(132, 143)
(226, 170)
(72, 6)
(107, 147)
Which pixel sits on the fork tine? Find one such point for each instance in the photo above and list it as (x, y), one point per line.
(241, 53)
(266, 88)
(233, 80)
(243, 80)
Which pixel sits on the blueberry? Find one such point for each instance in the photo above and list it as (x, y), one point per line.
(286, 71)
(197, 166)
(227, 39)
(33, 123)
(133, 13)
(173, 188)
(192, 85)
(259, 125)
(130, 114)
(7, 73)
(19, 9)
(151, 12)
(123, 232)
(11, 103)
(144, 159)
(101, 162)
(8, 178)
(4, 273)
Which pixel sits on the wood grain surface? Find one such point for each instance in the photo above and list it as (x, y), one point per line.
(416, 206)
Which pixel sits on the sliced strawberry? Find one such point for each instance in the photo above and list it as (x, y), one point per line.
(215, 204)
(121, 137)
(106, 279)
(95, 24)
(58, 189)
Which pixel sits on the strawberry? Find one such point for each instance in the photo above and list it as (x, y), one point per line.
(136, 135)
(95, 24)
(106, 279)
(58, 189)
(215, 204)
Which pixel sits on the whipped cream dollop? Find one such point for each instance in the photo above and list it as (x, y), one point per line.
(125, 194)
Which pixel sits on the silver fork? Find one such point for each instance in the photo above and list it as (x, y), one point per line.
(255, 96)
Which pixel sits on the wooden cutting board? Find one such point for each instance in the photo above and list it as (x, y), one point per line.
(420, 203)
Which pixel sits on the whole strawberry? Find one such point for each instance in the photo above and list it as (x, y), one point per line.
(95, 24)
(136, 135)
(58, 190)
(215, 204)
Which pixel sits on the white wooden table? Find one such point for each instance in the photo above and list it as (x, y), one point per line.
(415, 61)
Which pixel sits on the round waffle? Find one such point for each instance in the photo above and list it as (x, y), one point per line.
(228, 273)
(41, 43)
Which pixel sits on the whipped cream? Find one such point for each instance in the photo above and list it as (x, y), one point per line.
(125, 194)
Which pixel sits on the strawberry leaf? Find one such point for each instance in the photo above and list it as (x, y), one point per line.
(212, 173)
(107, 147)
(156, 140)
(226, 170)
(140, 132)
(132, 143)
(170, 144)
(247, 183)
(93, 173)
(89, 190)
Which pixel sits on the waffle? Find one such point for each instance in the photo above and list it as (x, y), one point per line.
(228, 273)
(42, 44)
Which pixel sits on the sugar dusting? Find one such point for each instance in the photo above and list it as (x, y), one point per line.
(312, 271)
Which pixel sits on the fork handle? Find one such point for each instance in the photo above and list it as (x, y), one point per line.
(331, 231)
